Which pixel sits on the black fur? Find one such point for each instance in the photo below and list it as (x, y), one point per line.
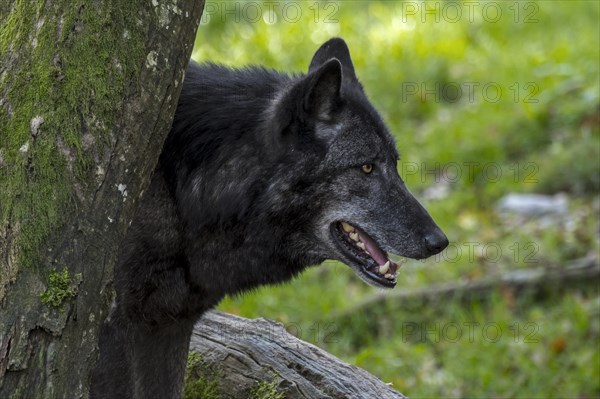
(257, 168)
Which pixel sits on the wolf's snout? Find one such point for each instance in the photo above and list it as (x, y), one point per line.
(436, 242)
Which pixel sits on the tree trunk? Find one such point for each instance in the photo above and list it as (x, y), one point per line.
(87, 94)
(239, 357)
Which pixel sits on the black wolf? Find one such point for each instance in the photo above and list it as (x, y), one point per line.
(262, 175)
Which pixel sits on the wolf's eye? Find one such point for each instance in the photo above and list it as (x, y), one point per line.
(367, 168)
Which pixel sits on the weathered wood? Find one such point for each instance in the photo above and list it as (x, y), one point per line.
(88, 90)
(248, 351)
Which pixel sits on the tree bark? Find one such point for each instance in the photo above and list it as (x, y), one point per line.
(241, 353)
(88, 89)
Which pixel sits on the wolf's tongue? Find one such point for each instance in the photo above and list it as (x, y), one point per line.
(376, 253)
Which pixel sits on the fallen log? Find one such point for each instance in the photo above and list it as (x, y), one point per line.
(240, 354)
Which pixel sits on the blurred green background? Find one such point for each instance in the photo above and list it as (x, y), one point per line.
(485, 99)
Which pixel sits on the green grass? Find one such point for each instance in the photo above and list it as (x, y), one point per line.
(541, 134)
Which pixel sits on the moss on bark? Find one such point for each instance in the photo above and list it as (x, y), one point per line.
(61, 288)
(58, 107)
(201, 380)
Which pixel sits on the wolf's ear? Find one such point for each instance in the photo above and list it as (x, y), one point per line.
(334, 48)
(323, 89)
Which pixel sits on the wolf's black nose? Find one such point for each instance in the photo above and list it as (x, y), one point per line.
(436, 242)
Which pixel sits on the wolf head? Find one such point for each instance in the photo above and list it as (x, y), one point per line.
(361, 208)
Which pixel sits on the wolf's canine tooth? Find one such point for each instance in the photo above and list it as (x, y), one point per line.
(347, 228)
(384, 268)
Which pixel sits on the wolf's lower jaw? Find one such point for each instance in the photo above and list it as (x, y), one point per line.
(375, 262)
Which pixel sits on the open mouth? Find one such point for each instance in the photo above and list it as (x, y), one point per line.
(374, 264)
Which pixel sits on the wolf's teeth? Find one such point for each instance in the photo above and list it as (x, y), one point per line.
(354, 236)
(389, 276)
(384, 268)
(361, 245)
(347, 228)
